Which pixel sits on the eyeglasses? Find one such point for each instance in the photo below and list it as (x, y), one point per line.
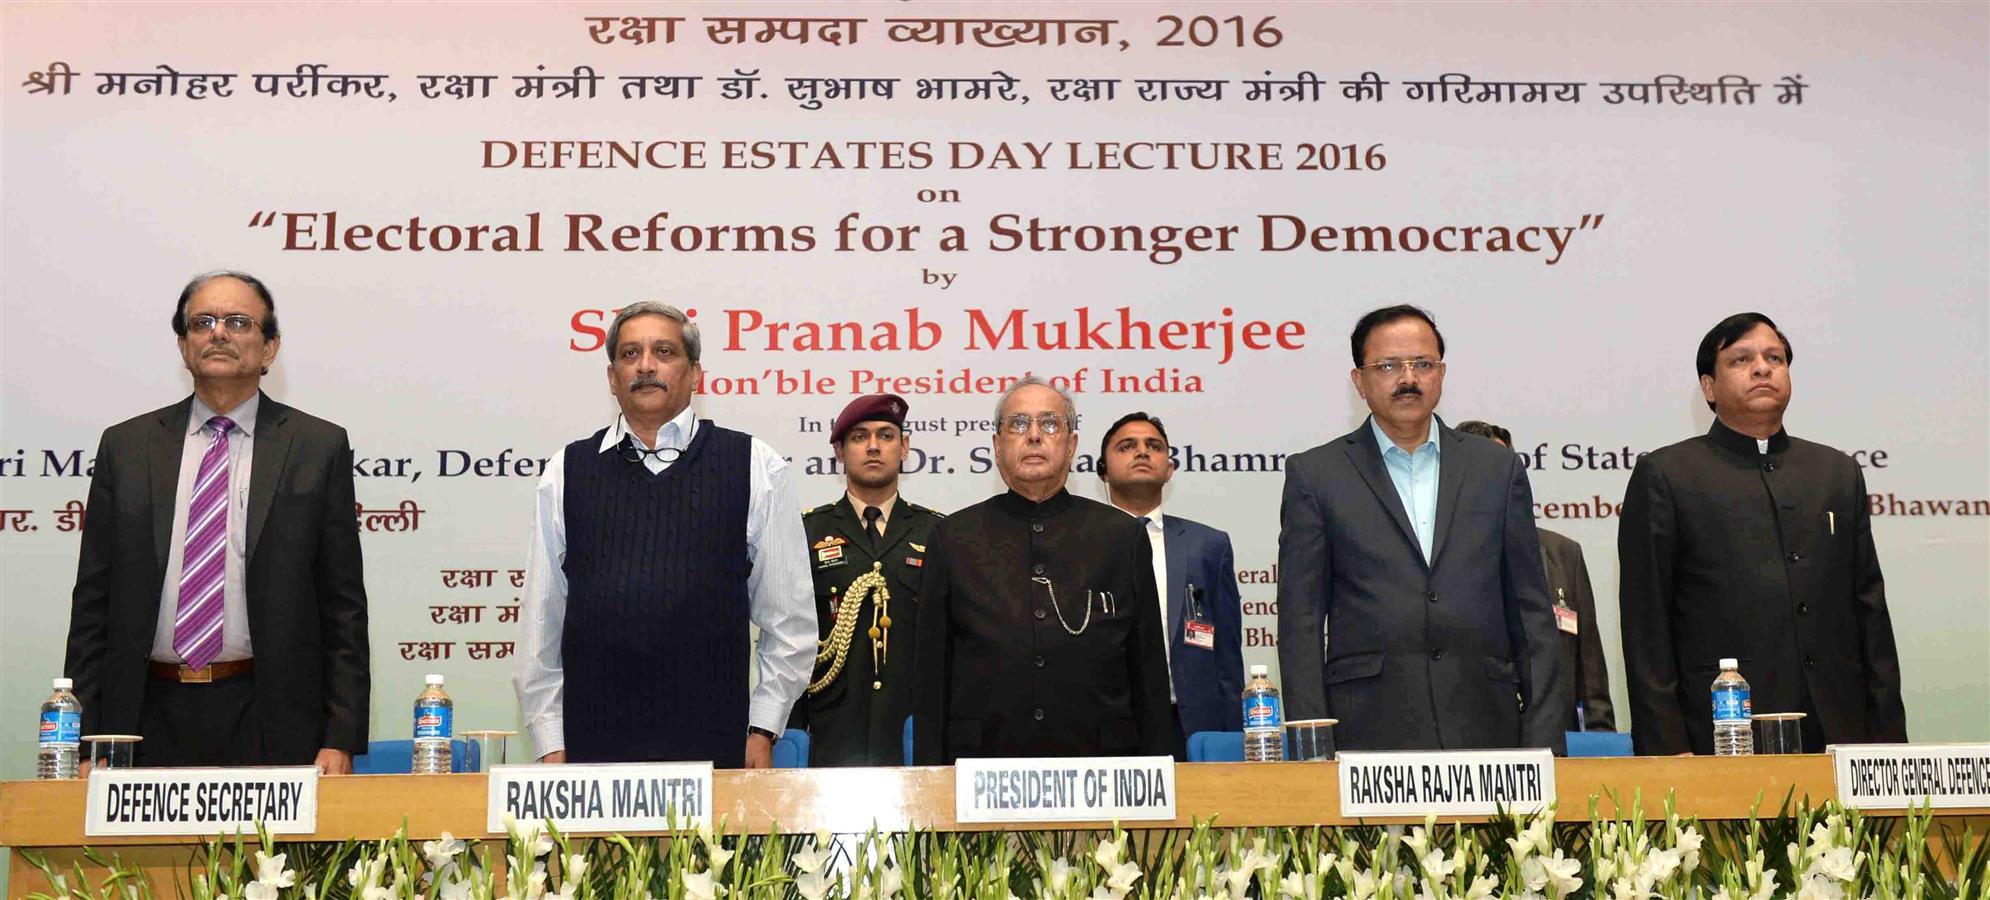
(1420, 365)
(1048, 423)
(635, 453)
(236, 323)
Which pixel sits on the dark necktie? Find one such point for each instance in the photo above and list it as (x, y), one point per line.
(871, 516)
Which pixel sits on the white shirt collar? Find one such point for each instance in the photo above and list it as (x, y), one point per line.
(675, 433)
(244, 415)
(1153, 517)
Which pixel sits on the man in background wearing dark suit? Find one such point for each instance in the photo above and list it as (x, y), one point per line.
(220, 531)
(1411, 601)
(1195, 571)
(1588, 674)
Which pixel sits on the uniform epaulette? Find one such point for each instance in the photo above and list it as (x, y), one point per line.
(927, 510)
(820, 509)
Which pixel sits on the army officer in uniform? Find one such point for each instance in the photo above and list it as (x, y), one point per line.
(866, 550)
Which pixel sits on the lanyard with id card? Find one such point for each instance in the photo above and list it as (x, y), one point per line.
(1196, 630)
(1565, 618)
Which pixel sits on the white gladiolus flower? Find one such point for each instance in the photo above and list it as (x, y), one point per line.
(1122, 876)
(1294, 885)
(1060, 875)
(256, 890)
(1563, 877)
(1106, 854)
(1839, 863)
(813, 885)
(455, 889)
(1418, 841)
(442, 852)
(891, 880)
(1658, 866)
(716, 856)
(699, 886)
(824, 837)
(572, 872)
(1817, 887)
(813, 860)
(270, 870)
(1436, 867)
(1364, 886)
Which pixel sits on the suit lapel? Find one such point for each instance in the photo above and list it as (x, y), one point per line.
(163, 462)
(272, 449)
(1366, 456)
(1450, 477)
(1175, 548)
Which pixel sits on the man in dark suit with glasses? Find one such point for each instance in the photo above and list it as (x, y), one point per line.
(219, 609)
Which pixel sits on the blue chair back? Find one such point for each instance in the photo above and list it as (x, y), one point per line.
(398, 758)
(791, 751)
(1216, 746)
(908, 740)
(1599, 743)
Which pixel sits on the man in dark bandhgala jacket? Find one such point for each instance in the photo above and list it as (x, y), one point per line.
(1039, 626)
(1748, 543)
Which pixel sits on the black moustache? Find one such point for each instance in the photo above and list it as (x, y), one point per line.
(1408, 391)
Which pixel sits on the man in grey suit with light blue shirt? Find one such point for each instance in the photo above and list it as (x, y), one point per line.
(1411, 601)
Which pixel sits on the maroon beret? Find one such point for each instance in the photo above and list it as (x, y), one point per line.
(868, 408)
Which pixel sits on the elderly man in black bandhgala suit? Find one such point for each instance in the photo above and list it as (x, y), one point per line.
(1039, 625)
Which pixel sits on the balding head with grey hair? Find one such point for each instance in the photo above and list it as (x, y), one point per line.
(1002, 403)
(1035, 461)
(692, 344)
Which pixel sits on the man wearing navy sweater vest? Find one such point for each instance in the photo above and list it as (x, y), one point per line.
(655, 542)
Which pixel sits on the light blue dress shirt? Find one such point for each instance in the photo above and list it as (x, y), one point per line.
(1415, 477)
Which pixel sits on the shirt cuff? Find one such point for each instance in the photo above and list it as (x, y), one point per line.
(549, 735)
(761, 712)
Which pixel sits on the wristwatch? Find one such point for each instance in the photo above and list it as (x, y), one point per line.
(755, 729)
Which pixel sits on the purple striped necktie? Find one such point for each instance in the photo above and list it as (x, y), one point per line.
(197, 625)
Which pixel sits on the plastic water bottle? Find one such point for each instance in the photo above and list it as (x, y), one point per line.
(434, 728)
(1264, 719)
(61, 732)
(1733, 735)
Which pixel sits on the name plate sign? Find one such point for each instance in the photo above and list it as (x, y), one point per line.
(1897, 776)
(201, 801)
(602, 797)
(1071, 789)
(1447, 783)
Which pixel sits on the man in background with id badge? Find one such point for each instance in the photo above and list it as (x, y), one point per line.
(1195, 573)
